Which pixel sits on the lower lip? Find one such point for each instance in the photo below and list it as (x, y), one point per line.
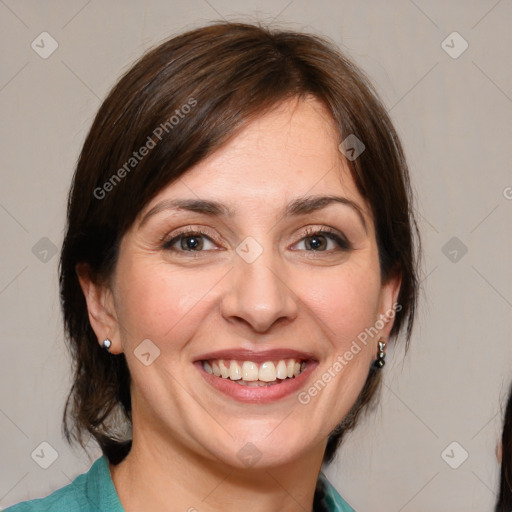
(261, 394)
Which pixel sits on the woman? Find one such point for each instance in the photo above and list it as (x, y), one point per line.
(504, 503)
(240, 249)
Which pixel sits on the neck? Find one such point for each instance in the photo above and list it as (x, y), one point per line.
(159, 474)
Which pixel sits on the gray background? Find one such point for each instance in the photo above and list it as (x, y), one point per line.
(453, 115)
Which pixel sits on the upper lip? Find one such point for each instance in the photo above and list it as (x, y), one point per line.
(256, 356)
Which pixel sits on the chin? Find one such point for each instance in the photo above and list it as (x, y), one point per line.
(269, 447)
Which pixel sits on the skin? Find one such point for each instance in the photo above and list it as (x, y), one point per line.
(186, 435)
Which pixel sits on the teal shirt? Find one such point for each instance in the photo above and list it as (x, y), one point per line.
(94, 491)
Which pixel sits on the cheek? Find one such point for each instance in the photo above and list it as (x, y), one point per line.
(345, 302)
(157, 304)
(344, 305)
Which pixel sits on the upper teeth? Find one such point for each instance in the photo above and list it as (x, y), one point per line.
(268, 371)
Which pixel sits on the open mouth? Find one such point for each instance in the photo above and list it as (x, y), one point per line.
(252, 374)
(257, 376)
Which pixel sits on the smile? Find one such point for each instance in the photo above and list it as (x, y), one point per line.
(249, 373)
(256, 376)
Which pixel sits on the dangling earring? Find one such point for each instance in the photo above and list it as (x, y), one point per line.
(379, 362)
(107, 344)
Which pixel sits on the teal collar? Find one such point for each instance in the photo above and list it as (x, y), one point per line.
(101, 492)
(327, 498)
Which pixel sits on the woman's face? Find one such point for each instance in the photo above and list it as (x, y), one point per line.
(257, 270)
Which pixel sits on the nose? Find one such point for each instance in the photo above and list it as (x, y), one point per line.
(257, 294)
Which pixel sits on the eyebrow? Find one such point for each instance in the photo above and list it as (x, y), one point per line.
(303, 206)
(300, 206)
(206, 207)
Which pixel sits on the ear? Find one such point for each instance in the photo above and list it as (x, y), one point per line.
(101, 308)
(388, 305)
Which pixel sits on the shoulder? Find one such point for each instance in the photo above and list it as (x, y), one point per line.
(62, 499)
(85, 494)
(66, 498)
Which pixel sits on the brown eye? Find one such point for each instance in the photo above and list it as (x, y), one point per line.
(324, 241)
(189, 242)
(317, 243)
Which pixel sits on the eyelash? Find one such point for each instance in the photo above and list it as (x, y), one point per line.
(330, 233)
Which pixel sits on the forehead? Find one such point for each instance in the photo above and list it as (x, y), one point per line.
(288, 152)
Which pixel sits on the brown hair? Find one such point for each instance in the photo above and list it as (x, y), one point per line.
(227, 73)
